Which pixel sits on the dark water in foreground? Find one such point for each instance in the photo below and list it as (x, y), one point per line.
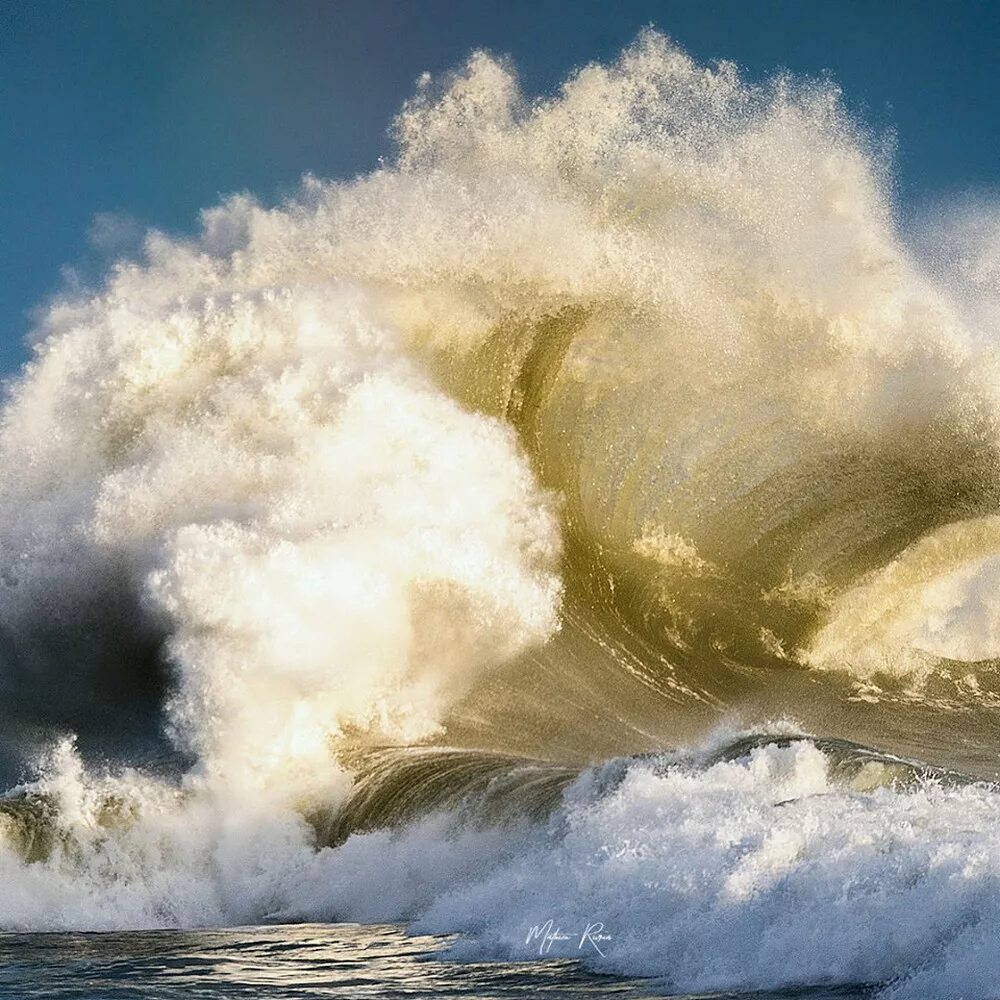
(292, 962)
(295, 961)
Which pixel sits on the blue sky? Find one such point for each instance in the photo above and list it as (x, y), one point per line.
(148, 110)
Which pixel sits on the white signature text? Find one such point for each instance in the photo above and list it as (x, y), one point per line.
(547, 934)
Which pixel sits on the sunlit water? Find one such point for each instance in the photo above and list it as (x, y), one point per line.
(292, 962)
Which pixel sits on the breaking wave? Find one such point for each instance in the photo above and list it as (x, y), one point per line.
(342, 541)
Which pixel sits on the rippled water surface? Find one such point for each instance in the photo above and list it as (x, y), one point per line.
(293, 961)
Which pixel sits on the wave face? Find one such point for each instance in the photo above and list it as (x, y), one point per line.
(358, 527)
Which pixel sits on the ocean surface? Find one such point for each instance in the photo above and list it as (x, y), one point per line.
(298, 962)
(563, 562)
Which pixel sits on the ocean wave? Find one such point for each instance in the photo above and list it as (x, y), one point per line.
(350, 535)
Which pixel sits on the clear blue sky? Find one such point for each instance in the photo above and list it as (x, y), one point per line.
(155, 108)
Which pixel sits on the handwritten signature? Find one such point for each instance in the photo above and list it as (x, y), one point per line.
(549, 933)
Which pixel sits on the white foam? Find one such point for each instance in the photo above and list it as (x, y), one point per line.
(763, 872)
(759, 873)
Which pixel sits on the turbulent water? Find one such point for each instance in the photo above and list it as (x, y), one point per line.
(592, 515)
